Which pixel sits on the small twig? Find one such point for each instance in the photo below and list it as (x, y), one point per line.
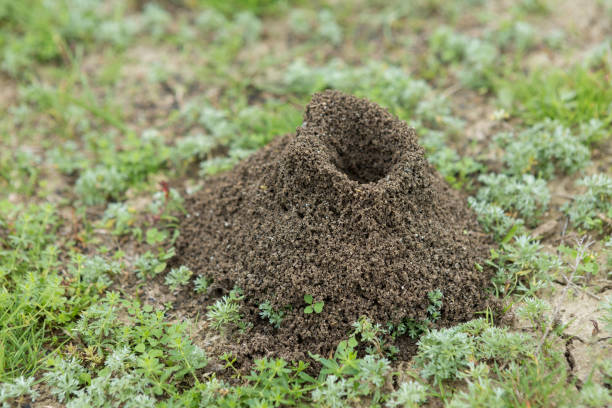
(605, 219)
(586, 292)
(570, 337)
(562, 240)
(556, 311)
(566, 196)
(451, 90)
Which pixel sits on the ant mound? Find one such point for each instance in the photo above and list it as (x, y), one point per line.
(347, 211)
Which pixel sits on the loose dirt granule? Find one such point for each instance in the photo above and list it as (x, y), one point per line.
(349, 211)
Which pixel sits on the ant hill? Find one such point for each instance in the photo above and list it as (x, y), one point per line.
(348, 211)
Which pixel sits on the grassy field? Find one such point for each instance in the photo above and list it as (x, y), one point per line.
(112, 111)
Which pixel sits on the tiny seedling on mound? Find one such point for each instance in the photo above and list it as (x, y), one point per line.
(316, 307)
(275, 317)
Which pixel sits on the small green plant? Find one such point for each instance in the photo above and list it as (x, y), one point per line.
(435, 305)
(225, 312)
(97, 185)
(192, 147)
(301, 21)
(201, 284)
(481, 393)
(544, 149)
(522, 265)
(65, 378)
(586, 210)
(587, 268)
(95, 270)
(118, 169)
(166, 204)
(518, 35)
(138, 358)
(481, 60)
(475, 58)
(410, 394)
(494, 220)
(178, 277)
(444, 354)
(315, 307)
(328, 28)
(415, 328)
(148, 265)
(67, 158)
(346, 378)
(20, 387)
(457, 170)
(447, 46)
(275, 317)
(371, 334)
(119, 218)
(594, 395)
(155, 236)
(533, 6)
(526, 195)
(536, 311)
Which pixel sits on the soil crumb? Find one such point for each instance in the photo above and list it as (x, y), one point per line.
(347, 210)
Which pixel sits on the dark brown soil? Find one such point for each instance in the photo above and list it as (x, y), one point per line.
(349, 211)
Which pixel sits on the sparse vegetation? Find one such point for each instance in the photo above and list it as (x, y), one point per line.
(543, 149)
(415, 328)
(112, 113)
(178, 277)
(275, 317)
(525, 196)
(591, 209)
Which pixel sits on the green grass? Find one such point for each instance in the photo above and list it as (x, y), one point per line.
(258, 7)
(574, 97)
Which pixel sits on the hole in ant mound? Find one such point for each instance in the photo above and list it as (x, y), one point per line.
(365, 155)
(217, 292)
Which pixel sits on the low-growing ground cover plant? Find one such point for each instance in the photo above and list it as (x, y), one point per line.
(526, 196)
(316, 307)
(112, 114)
(543, 149)
(593, 208)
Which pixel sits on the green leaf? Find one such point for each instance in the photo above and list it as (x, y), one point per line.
(154, 236)
(308, 309)
(318, 307)
(510, 234)
(159, 268)
(140, 348)
(568, 251)
(308, 299)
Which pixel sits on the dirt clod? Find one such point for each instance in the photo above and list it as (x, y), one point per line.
(349, 211)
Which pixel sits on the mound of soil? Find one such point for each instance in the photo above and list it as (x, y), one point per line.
(349, 211)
